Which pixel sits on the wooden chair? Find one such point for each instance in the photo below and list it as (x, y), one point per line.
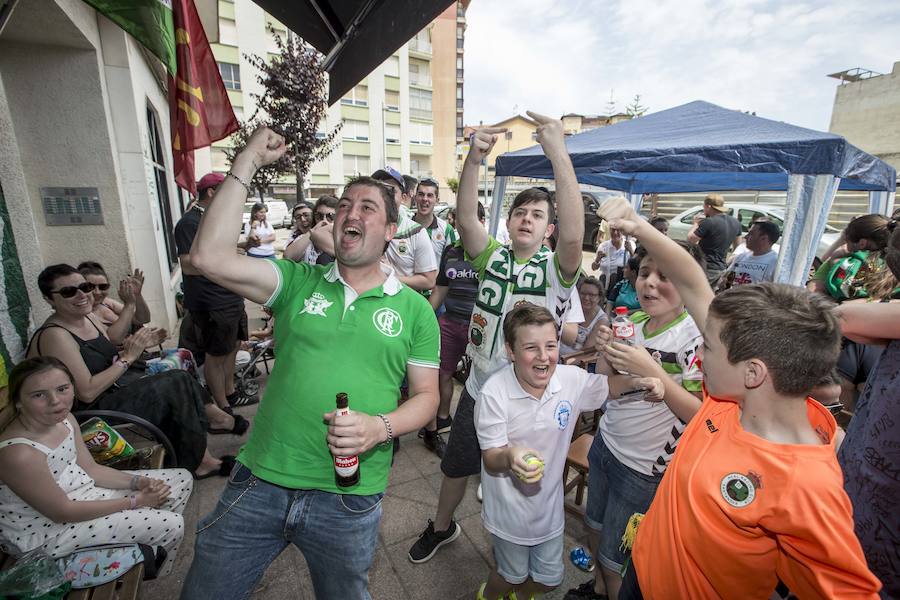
(577, 459)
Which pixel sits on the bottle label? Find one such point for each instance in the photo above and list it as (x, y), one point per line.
(345, 466)
(623, 330)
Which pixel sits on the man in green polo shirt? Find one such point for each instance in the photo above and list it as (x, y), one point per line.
(348, 327)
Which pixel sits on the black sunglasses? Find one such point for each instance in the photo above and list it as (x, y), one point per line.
(70, 290)
(102, 286)
(320, 216)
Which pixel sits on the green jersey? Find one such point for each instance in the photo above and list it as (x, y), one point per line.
(330, 340)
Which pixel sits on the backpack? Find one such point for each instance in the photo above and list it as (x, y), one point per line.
(843, 280)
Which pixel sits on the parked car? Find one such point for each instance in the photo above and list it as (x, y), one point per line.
(278, 215)
(681, 224)
(592, 201)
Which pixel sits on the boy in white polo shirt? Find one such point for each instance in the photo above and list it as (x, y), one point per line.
(524, 419)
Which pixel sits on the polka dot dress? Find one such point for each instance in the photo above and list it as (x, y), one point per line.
(23, 529)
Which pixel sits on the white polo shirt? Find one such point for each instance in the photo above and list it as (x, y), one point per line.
(410, 251)
(507, 415)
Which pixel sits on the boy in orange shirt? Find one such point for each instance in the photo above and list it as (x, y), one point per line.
(754, 492)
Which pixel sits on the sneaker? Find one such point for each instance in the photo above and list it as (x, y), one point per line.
(444, 424)
(585, 591)
(478, 493)
(430, 540)
(434, 441)
(238, 399)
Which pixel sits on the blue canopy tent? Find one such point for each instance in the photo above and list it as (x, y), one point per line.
(703, 147)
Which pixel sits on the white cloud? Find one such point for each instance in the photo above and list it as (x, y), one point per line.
(767, 56)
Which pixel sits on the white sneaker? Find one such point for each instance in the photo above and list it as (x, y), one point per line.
(478, 493)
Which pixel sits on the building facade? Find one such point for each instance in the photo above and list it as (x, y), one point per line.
(407, 113)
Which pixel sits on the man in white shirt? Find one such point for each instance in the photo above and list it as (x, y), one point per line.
(757, 265)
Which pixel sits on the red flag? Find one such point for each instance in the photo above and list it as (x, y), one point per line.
(199, 108)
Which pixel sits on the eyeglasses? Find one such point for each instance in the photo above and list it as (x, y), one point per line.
(70, 290)
(102, 286)
(329, 216)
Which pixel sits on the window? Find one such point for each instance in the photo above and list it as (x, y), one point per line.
(459, 92)
(271, 44)
(459, 103)
(420, 103)
(420, 133)
(422, 42)
(419, 74)
(392, 66)
(227, 32)
(391, 133)
(394, 163)
(162, 187)
(459, 122)
(459, 32)
(358, 96)
(459, 62)
(239, 113)
(356, 165)
(355, 130)
(459, 73)
(459, 133)
(231, 75)
(460, 43)
(391, 100)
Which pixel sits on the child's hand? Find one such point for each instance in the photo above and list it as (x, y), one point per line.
(635, 360)
(599, 338)
(620, 215)
(526, 464)
(655, 389)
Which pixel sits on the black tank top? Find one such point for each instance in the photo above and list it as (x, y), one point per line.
(98, 354)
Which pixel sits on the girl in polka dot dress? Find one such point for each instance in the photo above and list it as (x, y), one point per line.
(55, 497)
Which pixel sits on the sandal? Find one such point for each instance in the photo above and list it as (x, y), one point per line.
(224, 469)
(241, 425)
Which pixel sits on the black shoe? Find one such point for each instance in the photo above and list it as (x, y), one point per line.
(585, 591)
(444, 424)
(434, 441)
(238, 399)
(430, 540)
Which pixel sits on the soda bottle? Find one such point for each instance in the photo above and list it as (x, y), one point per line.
(623, 327)
(346, 468)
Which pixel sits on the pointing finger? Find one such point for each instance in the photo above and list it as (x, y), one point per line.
(492, 130)
(542, 119)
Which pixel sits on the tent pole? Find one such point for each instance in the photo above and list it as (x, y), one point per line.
(881, 203)
(809, 199)
(496, 203)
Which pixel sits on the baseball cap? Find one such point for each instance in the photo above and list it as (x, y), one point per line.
(716, 201)
(389, 173)
(209, 180)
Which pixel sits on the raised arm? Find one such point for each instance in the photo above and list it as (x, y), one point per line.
(471, 231)
(569, 207)
(213, 250)
(870, 322)
(682, 270)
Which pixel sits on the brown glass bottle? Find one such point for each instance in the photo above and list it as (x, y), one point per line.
(346, 468)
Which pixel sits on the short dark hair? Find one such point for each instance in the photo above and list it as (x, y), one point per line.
(694, 250)
(634, 263)
(523, 315)
(795, 332)
(301, 205)
(92, 268)
(532, 195)
(590, 280)
(32, 366)
(657, 219)
(49, 275)
(429, 182)
(480, 210)
(409, 185)
(329, 201)
(768, 229)
(387, 194)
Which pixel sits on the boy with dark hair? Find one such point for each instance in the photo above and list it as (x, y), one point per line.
(524, 418)
(754, 492)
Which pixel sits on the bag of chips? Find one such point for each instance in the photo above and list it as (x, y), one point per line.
(104, 442)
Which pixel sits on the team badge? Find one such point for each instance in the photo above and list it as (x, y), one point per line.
(562, 413)
(316, 305)
(388, 322)
(476, 333)
(402, 248)
(738, 490)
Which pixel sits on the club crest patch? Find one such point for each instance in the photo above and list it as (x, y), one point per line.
(562, 413)
(388, 322)
(738, 489)
(316, 305)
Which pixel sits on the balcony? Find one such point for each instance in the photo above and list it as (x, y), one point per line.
(421, 113)
(420, 80)
(420, 47)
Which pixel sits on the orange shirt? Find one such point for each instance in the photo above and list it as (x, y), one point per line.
(734, 513)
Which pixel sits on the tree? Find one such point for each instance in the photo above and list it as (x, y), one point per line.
(635, 109)
(453, 184)
(293, 104)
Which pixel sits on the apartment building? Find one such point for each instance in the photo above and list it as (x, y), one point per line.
(407, 113)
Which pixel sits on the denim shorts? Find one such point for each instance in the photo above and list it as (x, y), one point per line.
(543, 562)
(615, 492)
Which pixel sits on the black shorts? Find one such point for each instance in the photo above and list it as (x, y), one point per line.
(217, 332)
(462, 457)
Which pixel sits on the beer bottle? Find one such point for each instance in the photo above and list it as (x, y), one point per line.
(346, 468)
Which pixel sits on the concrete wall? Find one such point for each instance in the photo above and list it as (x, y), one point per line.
(867, 113)
(443, 76)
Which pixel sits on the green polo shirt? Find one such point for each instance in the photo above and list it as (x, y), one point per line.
(324, 346)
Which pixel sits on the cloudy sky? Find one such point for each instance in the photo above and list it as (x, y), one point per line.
(766, 56)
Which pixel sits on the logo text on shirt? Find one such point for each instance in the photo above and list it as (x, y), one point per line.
(388, 322)
(316, 305)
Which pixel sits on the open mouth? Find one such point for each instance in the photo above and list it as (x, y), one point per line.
(352, 233)
(542, 369)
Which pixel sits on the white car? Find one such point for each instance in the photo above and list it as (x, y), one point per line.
(278, 214)
(681, 224)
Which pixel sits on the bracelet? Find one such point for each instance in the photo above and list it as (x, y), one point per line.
(390, 430)
(134, 482)
(122, 362)
(133, 501)
(240, 181)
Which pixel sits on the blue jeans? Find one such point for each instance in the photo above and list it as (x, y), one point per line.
(255, 520)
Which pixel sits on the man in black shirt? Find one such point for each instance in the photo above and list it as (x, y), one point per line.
(217, 320)
(718, 233)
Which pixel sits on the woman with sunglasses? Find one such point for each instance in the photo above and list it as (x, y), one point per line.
(110, 311)
(105, 379)
(261, 232)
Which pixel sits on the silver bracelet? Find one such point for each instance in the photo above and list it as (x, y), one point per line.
(240, 181)
(390, 430)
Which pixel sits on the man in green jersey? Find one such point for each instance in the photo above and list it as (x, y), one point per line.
(346, 327)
